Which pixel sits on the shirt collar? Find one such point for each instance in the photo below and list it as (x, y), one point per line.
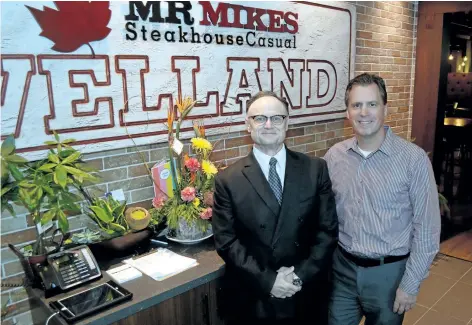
(281, 156)
(387, 146)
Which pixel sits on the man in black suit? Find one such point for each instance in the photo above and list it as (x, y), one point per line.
(275, 226)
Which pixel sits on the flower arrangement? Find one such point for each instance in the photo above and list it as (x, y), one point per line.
(190, 206)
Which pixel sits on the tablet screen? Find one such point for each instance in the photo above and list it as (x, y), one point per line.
(92, 298)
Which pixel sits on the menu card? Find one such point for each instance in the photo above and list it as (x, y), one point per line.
(162, 264)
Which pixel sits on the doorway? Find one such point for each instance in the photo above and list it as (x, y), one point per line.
(441, 123)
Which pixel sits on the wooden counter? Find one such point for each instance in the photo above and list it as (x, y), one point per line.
(187, 298)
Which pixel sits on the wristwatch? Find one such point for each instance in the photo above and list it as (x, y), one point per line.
(298, 282)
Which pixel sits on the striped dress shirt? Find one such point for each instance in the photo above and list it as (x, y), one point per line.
(387, 204)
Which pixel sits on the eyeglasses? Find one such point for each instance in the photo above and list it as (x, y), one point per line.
(262, 119)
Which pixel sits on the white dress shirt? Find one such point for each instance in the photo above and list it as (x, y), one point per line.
(264, 159)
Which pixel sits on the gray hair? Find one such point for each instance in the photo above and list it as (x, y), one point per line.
(266, 93)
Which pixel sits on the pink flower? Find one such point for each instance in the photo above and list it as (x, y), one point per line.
(158, 202)
(192, 164)
(188, 194)
(206, 214)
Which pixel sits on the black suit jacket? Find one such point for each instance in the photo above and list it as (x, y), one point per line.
(255, 236)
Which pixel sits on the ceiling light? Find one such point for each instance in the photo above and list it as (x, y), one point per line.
(451, 57)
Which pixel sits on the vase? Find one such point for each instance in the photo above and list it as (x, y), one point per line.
(189, 233)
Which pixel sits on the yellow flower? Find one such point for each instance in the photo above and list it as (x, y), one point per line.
(201, 144)
(208, 168)
(196, 202)
(182, 105)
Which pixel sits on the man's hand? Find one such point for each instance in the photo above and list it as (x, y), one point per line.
(283, 286)
(403, 302)
(290, 277)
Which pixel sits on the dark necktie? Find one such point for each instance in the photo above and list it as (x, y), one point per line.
(274, 180)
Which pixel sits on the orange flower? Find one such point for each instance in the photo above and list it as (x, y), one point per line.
(170, 119)
(182, 105)
(199, 128)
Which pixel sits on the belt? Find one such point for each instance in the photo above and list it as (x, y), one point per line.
(370, 262)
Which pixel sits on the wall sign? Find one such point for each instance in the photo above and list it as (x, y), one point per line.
(101, 72)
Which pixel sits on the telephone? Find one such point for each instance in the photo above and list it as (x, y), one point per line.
(70, 268)
(63, 270)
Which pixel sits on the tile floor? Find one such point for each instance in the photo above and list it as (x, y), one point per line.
(445, 297)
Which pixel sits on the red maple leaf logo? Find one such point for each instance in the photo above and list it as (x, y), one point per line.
(74, 24)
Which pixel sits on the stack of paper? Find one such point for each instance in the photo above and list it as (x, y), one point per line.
(162, 264)
(124, 273)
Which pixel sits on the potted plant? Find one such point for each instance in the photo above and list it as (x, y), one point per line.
(43, 187)
(189, 209)
(120, 228)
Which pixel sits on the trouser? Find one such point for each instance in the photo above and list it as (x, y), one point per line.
(364, 291)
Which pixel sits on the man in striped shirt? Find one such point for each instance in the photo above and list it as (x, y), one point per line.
(388, 209)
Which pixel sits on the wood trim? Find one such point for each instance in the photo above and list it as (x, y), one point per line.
(428, 66)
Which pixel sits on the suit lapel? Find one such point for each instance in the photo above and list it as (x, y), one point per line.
(253, 172)
(290, 197)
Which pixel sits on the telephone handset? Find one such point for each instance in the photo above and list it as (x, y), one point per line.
(69, 268)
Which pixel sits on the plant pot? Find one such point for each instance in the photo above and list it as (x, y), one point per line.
(27, 263)
(137, 223)
(120, 246)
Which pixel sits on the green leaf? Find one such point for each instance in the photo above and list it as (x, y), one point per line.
(102, 214)
(6, 189)
(16, 159)
(15, 172)
(50, 143)
(26, 184)
(62, 221)
(8, 146)
(79, 179)
(47, 189)
(86, 167)
(117, 227)
(54, 158)
(47, 167)
(39, 194)
(48, 216)
(108, 208)
(60, 176)
(119, 210)
(56, 136)
(66, 141)
(5, 172)
(109, 231)
(74, 171)
(66, 153)
(73, 157)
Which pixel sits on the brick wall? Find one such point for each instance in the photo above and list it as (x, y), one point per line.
(385, 45)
